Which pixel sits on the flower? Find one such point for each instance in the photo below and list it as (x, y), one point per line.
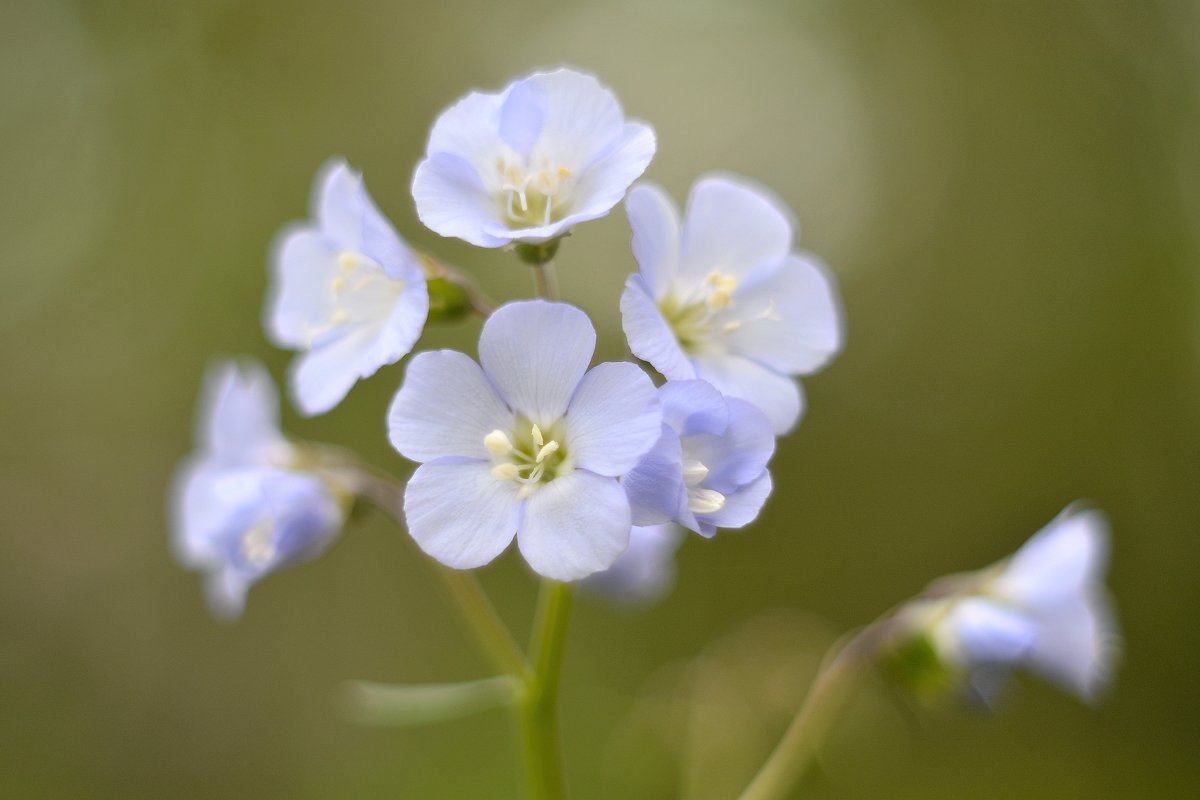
(724, 298)
(348, 293)
(241, 507)
(530, 445)
(527, 163)
(708, 469)
(1045, 608)
(645, 572)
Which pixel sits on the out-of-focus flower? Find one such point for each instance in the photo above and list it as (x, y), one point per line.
(645, 572)
(722, 297)
(1045, 608)
(241, 506)
(347, 292)
(530, 445)
(525, 164)
(708, 469)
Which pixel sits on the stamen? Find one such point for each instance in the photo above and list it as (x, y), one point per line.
(548, 448)
(498, 443)
(537, 436)
(694, 472)
(347, 260)
(507, 471)
(705, 501)
(722, 288)
(257, 545)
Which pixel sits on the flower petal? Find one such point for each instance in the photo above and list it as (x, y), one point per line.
(337, 203)
(742, 506)
(321, 378)
(535, 352)
(459, 513)
(650, 337)
(694, 407)
(655, 485)
(604, 183)
(468, 129)
(581, 118)
(732, 226)
(304, 261)
(445, 407)
(613, 418)
(645, 571)
(1076, 646)
(1063, 561)
(239, 412)
(988, 633)
(778, 396)
(791, 321)
(574, 525)
(740, 454)
(521, 117)
(452, 200)
(655, 224)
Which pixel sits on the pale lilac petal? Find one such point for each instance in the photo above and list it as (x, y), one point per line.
(452, 200)
(990, 634)
(655, 224)
(337, 203)
(536, 352)
(574, 525)
(645, 572)
(321, 378)
(694, 407)
(732, 226)
(1059, 563)
(581, 119)
(650, 337)
(741, 454)
(459, 513)
(742, 506)
(239, 412)
(406, 322)
(445, 407)
(791, 321)
(605, 182)
(777, 396)
(522, 117)
(613, 418)
(304, 261)
(655, 485)
(468, 129)
(1077, 645)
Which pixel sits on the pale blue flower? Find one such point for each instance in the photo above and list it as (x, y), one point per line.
(530, 445)
(645, 572)
(1044, 608)
(525, 164)
(723, 297)
(240, 507)
(708, 469)
(347, 292)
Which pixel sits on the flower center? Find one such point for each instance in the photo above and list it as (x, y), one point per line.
(258, 542)
(529, 457)
(358, 291)
(700, 500)
(693, 317)
(531, 198)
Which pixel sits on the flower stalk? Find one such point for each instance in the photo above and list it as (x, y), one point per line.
(539, 711)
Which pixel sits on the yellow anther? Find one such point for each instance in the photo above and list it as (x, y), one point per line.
(721, 289)
(730, 327)
(563, 172)
(498, 443)
(348, 260)
(694, 472)
(507, 471)
(536, 432)
(705, 501)
(257, 545)
(548, 448)
(338, 283)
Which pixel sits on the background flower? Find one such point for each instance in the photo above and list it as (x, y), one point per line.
(645, 572)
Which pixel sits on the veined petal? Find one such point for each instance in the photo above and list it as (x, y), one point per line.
(694, 407)
(536, 352)
(321, 378)
(778, 396)
(604, 182)
(655, 485)
(452, 200)
(732, 226)
(650, 337)
(655, 224)
(459, 513)
(239, 413)
(741, 454)
(445, 407)
(741, 506)
(468, 129)
(613, 418)
(791, 321)
(574, 525)
(581, 119)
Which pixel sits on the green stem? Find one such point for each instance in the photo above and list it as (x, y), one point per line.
(539, 711)
(545, 281)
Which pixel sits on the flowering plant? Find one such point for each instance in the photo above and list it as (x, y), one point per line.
(596, 471)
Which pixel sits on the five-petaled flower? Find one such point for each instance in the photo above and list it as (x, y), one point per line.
(242, 506)
(530, 445)
(1045, 608)
(708, 469)
(525, 164)
(722, 297)
(347, 292)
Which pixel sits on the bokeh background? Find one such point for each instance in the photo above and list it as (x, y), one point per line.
(1008, 192)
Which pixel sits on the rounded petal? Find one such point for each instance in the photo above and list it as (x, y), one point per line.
(741, 454)
(732, 226)
(574, 525)
(536, 352)
(613, 418)
(452, 200)
(645, 571)
(337, 203)
(445, 407)
(468, 129)
(605, 181)
(694, 407)
(1062, 562)
(791, 321)
(777, 396)
(655, 224)
(655, 485)
(581, 119)
(741, 507)
(239, 412)
(303, 262)
(650, 337)
(405, 323)
(459, 513)
(321, 378)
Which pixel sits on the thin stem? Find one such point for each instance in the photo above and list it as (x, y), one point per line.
(539, 712)
(830, 690)
(545, 280)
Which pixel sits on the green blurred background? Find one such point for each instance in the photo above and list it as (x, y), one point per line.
(1009, 193)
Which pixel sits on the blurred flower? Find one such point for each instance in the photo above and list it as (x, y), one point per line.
(527, 163)
(530, 445)
(723, 297)
(241, 506)
(645, 572)
(347, 292)
(1044, 608)
(708, 469)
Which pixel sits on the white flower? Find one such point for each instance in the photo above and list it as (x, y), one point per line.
(527, 163)
(240, 506)
(347, 292)
(722, 297)
(1045, 608)
(530, 445)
